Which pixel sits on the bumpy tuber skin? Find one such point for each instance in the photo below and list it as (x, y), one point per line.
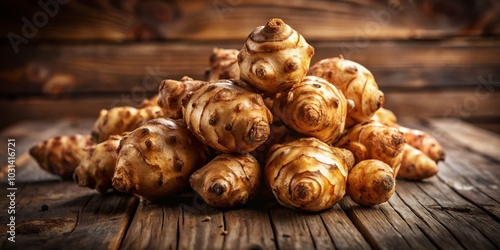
(228, 117)
(274, 57)
(315, 108)
(414, 137)
(228, 180)
(98, 165)
(371, 182)
(62, 154)
(307, 174)
(415, 165)
(223, 65)
(122, 119)
(155, 160)
(355, 82)
(371, 140)
(172, 94)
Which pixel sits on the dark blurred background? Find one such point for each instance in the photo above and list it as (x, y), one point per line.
(69, 59)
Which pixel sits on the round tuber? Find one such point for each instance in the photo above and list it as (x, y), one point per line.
(371, 182)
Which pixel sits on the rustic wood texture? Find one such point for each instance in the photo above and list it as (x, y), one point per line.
(231, 19)
(459, 208)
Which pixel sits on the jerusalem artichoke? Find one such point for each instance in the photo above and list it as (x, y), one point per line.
(356, 83)
(307, 174)
(223, 65)
(315, 108)
(62, 154)
(228, 180)
(173, 93)
(97, 166)
(371, 140)
(274, 57)
(415, 165)
(155, 160)
(122, 119)
(228, 117)
(371, 182)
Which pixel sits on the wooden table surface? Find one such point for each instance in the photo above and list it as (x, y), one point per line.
(457, 209)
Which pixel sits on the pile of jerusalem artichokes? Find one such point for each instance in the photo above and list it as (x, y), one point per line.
(262, 117)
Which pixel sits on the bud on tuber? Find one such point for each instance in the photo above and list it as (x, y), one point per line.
(307, 174)
(356, 83)
(315, 108)
(371, 182)
(227, 117)
(61, 155)
(274, 57)
(228, 180)
(98, 165)
(155, 160)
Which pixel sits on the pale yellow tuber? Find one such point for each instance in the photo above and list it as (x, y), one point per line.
(228, 180)
(61, 155)
(122, 119)
(274, 57)
(97, 166)
(228, 117)
(155, 160)
(223, 65)
(371, 140)
(307, 174)
(356, 83)
(315, 108)
(173, 93)
(371, 182)
(415, 165)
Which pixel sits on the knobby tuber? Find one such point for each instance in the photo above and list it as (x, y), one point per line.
(371, 140)
(356, 83)
(228, 116)
(415, 165)
(97, 165)
(307, 174)
(274, 57)
(155, 160)
(371, 182)
(62, 154)
(223, 65)
(315, 108)
(123, 119)
(228, 180)
(173, 93)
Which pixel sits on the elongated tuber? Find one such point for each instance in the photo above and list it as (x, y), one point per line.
(274, 57)
(315, 108)
(122, 119)
(98, 165)
(307, 174)
(371, 140)
(172, 93)
(223, 65)
(155, 160)
(356, 83)
(228, 117)
(228, 180)
(371, 182)
(62, 154)
(415, 165)
(414, 137)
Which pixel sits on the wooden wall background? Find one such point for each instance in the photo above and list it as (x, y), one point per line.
(432, 58)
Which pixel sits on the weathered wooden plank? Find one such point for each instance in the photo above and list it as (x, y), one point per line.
(61, 215)
(137, 69)
(221, 19)
(28, 134)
